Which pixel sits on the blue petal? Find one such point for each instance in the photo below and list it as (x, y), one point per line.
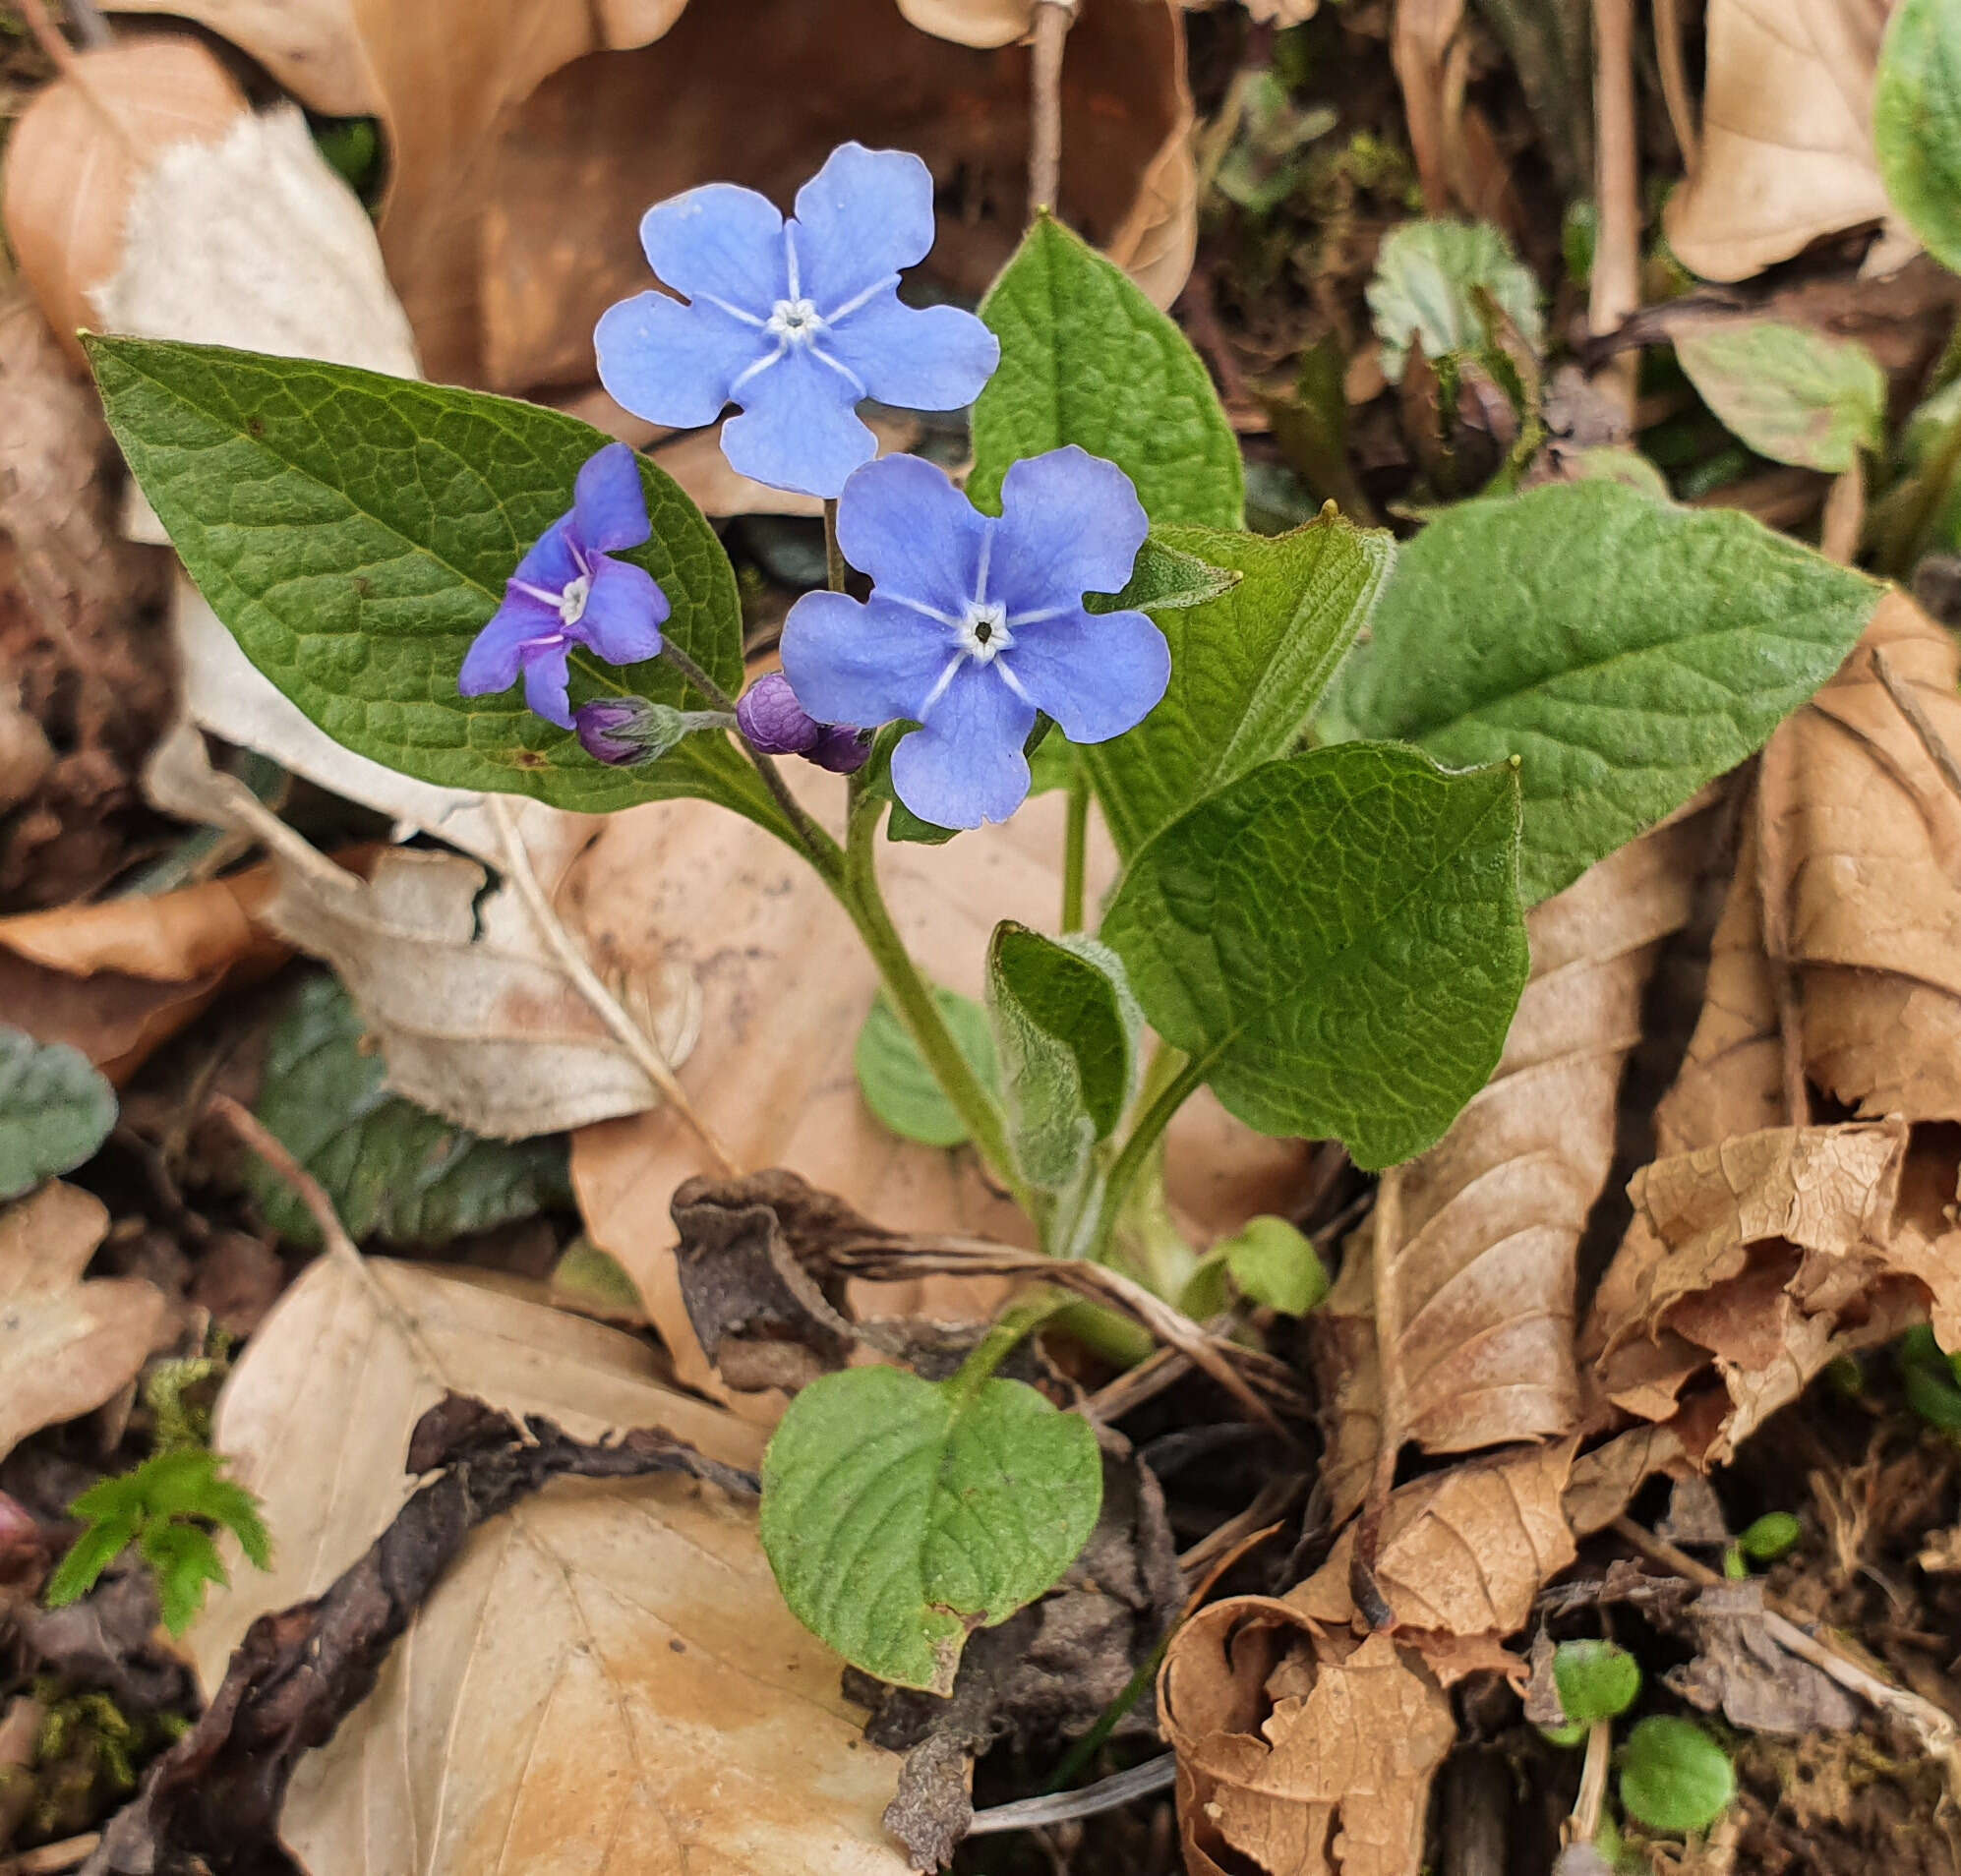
(1095, 676)
(966, 766)
(904, 523)
(931, 357)
(491, 663)
(610, 506)
(719, 242)
(862, 664)
(1071, 524)
(799, 431)
(861, 219)
(550, 564)
(624, 613)
(545, 681)
(674, 363)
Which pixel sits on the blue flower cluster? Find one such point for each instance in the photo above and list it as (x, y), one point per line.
(975, 623)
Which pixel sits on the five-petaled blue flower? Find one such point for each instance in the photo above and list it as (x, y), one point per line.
(794, 320)
(975, 623)
(568, 592)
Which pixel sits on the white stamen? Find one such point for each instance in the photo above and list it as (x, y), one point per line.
(984, 633)
(571, 602)
(856, 300)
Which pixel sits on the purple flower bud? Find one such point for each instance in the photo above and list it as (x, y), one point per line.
(774, 722)
(605, 730)
(840, 748)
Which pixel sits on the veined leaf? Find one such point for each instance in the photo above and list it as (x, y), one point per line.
(55, 1110)
(898, 1086)
(1789, 392)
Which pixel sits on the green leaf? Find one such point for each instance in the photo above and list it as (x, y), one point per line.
(183, 1560)
(1165, 579)
(393, 1170)
(1335, 939)
(1673, 1777)
(1427, 281)
(898, 1514)
(99, 1545)
(1066, 1028)
(1086, 359)
(1770, 1537)
(898, 1086)
(1276, 1265)
(1917, 122)
(1788, 391)
(55, 1110)
(354, 531)
(1596, 1679)
(1627, 649)
(1247, 668)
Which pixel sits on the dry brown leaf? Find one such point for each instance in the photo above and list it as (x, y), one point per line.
(1491, 1217)
(1787, 135)
(1299, 1753)
(1602, 1483)
(1751, 1265)
(74, 157)
(608, 1680)
(785, 985)
(1742, 1673)
(66, 1345)
(1461, 1555)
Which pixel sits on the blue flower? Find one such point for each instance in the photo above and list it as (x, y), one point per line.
(974, 624)
(566, 592)
(793, 320)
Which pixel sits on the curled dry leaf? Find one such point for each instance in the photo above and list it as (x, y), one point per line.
(1751, 1265)
(1300, 1753)
(478, 1020)
(1742, 1672)
(1787, 135)
(1483, 1272)
(605, 1681)
(66, 1345)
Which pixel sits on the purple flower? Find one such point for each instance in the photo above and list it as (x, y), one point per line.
(776, 724)
(794, 320)
(974, 624)
(566, 592)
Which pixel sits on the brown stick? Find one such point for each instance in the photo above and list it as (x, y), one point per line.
(1844, 519)
(1362, 1585)
(1617, 249)
(1674, 81)
(1052, 20)
(1774, 877)
(1922, 725)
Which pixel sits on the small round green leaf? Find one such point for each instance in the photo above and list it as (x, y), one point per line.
(55, 1110)
(1673, 1777)
(1772, 1535)
(1596, 1679)
(1275, 1266)
(898, 1086)
(1917, 122)
(900, 1514)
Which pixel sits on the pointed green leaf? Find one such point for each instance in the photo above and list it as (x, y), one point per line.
(1335, 939)
(1086, 359)
(184, 1560)
(55, 1110)
(1165, 579)
(1673, 1777)
(1789, 392)
(898, 1086)
(898, 1514)
(99, 1545)
(1627, 649)
(354, 531)
(1917, 122)
(1247, 668)
(1066, 1026)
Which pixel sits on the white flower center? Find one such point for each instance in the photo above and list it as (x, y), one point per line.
(571, 602)
(795, 321)
(983, 631)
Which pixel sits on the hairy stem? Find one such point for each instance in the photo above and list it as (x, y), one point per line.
(1017, 1322)
(1171, 1082)
(1045, 155)
(1075, 844)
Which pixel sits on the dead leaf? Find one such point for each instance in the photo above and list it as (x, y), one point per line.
(74, 157)
(1751, 1265)
(476, 1018)
(1491, 1217)
(309, 46)
(117, 979)
(1742, 1673)
(605, 1681)
(785, 985)
(1602, 1483)
(66, 1345)
(1299, 1753)
(1787, 135)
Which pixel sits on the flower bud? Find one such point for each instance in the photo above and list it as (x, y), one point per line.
(840, 748)
(772, 719)
(626, 730)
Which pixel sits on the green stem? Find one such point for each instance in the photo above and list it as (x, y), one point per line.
(1075, 842)
(834, 559)
(1172, 1081)
(1018, 1322)
(918, 1007)
(1921, 500)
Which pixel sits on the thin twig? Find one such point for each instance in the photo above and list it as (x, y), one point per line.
(559, 941)
(1106, 1795)
(1584, 1826)
(1675, 81)
(1774, 876)
(1617, 250)
(1844, 518)
(1922, 725)
(1045, 142)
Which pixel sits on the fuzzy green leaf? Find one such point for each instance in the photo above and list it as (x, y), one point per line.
(1788, 391)
(355, 531)
(1627, 649)
(393, 1170)
(898, 1086)
(99, 1545)
(1165, 579)
(1247, 668)
(1066, 1028)
(1917, 122)
(1596, 1679)
(1673, 1777)
(1086, 359)
(1431, 283)
(898, 1514)
(184, 1560)
(55, 1110)
(1335, 939)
